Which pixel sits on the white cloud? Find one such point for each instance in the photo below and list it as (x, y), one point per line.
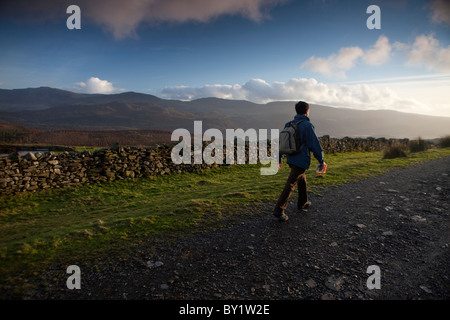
(336, 65)
(427, 51)
(440, 11)
(360, 96)
(96, 85)
(379, 53)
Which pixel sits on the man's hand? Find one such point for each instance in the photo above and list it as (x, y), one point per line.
(321, 167)
(280, 165)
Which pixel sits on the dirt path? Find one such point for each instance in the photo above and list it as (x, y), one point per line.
(398, 222)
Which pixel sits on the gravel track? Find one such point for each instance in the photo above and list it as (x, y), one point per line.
(398, 221)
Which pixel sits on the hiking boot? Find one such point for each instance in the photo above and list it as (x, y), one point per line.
(305, 206)
(282, 217)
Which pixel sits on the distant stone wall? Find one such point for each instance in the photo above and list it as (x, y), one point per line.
(41, 171)
(334, 145)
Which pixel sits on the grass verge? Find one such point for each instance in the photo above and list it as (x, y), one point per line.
(72, 224)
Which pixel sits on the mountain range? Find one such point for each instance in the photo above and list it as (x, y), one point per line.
(50, 109)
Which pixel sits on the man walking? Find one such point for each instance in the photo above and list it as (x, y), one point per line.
(299, 163)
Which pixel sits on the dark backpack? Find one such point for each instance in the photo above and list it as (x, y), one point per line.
(289, 142)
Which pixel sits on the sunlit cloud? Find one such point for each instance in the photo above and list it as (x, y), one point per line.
(426, 51)
(96, 85)
(380, 53)
(336, 65)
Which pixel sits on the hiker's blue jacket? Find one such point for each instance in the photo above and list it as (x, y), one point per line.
(310, 144)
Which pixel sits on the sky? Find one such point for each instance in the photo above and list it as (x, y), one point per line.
(319, 51)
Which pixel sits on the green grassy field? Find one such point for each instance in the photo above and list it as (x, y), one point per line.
(94, 220)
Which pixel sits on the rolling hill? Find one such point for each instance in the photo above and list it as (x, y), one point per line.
(47, 108)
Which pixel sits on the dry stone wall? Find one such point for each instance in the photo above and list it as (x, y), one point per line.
(40, 171)
(49, 170)
(334, 145)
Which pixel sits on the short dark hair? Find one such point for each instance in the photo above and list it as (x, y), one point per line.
(301, 107)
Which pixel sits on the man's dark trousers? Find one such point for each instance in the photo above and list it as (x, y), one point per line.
(297, 176)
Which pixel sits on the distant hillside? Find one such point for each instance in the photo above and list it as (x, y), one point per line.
(46, 108)
(35, 98)
(44, 97)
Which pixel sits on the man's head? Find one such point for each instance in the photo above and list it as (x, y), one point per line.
(302, 108)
